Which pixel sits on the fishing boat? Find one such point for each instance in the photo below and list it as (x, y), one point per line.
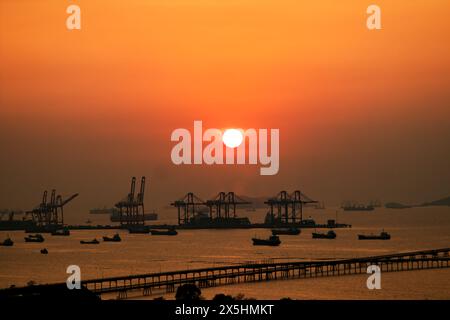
(272, 241)
(115, 238)
(329, 235)
(7, 242)
(34, 238)
(382, 236)
(288, 231)
(95, 241)
(168, 232)
(61, 232)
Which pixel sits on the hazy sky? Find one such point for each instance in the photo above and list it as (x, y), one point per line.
(362, 114)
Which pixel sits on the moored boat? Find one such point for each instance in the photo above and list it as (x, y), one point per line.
(7, 242)
(288, 231)
(61, 232)
(34, 238)
(115, 238)
(272, 241)
(329, 235)
(382, 236)
(95, 241)
(138, 229)
(168, 232)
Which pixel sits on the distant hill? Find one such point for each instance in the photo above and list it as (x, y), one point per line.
(440, 202)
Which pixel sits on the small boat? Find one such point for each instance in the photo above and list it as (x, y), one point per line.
(7, 242)
(61, 232)
(34, 238)
(288, 231)
(44, 251)
(272, 241)
(115, 238)
(168, 232)
(329, 235)
(382, 236)
(138, 229)
(95, 241)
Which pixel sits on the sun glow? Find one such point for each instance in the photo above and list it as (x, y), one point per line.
(232, 138)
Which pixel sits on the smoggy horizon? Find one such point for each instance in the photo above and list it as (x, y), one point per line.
(362, 115)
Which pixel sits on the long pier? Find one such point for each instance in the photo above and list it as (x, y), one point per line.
(217, 276)
(153, 283)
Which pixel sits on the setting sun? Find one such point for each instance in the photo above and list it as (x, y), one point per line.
(232, 138)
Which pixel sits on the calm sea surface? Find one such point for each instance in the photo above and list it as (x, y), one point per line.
(411, 229)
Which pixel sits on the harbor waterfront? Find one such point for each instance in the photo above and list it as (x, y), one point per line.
(411, 229)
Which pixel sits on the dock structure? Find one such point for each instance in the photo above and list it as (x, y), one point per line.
(49, 215)
(289, 207)
(223, 205)
(221, 211)
(187, 207)
(131, 208)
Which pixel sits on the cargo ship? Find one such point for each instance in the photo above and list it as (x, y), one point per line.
(348, 206)
(329, 235)
(114, 214)
(147, 217)
(10, 223)
(202, 220)
(382, 236)
(288, 231)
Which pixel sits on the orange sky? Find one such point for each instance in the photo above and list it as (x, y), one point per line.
(362, 114)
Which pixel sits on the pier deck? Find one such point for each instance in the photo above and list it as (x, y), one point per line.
(217, 276)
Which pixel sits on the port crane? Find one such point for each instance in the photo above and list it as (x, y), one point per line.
(223, 205)
(288, 206)
(50, 214)
(131, 208)
(187, 207)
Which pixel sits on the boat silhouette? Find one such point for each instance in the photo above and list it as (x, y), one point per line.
(115, 238)
(272, 241)
(168, 232)
(329, 235)
(289, 231)
(7, 242)
(34, 238)
(382, 236)
(95, 241)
